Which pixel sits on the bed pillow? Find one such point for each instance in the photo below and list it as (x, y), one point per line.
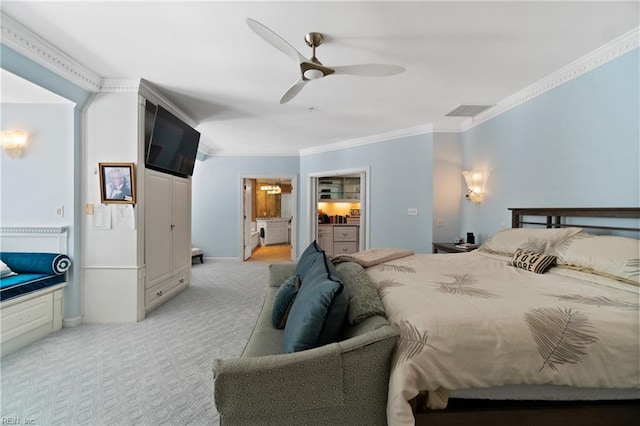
(318, 311)
(364, 300)
(606, 255)
(309, 256)
(37, 263)
(532, 261)
(507, 241)
(5, 271)
(283, 300)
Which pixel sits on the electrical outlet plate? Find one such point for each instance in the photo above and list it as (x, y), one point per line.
(412, 211)
(60, 211)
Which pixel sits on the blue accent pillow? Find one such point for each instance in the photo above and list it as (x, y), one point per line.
(283, 300)
(318, 312)
(309, 256)
(36, 263)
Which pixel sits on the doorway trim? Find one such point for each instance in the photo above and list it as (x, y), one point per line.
(365, 197)
(243, 213)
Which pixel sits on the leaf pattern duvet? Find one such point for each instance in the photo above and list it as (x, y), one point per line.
(471, 320)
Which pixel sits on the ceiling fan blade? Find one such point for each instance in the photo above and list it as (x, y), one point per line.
(293, 91)
(275, 40)
(369, 70)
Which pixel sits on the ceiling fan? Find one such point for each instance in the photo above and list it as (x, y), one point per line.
(313, 69)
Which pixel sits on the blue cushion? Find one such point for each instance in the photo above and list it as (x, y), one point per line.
(19, 284)
(318, 311)
(283, 300)
(309, 256)
(36, 263)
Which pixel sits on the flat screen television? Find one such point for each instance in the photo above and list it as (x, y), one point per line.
(172, 145)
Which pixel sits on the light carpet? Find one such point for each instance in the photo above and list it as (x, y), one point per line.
(155, 372)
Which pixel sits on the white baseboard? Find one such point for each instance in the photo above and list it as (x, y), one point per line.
(72, 322)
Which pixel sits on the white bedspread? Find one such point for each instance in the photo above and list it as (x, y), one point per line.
(472, 321)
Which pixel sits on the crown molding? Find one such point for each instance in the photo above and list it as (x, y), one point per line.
(253, 154)
(609, 51)
(446, 128)
(382, 137)
(119, 85)
(19, 38)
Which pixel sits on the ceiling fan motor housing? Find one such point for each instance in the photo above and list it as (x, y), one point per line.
(314, 39)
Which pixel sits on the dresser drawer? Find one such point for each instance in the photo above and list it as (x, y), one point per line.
(345, 233)
(344, 248)
(160, 292)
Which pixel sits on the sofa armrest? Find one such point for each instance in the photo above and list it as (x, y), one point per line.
(332, 381)
(249, 387)
(278, 272)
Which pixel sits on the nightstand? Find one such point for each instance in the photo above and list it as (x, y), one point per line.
(449, 248)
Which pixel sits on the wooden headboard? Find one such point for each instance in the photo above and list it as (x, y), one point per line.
(557, 217)
(34, 239)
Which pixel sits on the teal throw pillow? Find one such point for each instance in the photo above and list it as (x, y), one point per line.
(318, 312)
(309, 256)
(283, 300)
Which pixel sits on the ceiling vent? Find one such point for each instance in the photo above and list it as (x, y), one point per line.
(468, 110)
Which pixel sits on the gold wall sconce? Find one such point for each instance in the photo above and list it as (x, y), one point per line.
(13, 142)
(476, 179)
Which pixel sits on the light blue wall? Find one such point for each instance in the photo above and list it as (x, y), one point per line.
(401, 178)
(216, 225)
(448, 194)
(575, 146)
(49, 154)
(72, 144)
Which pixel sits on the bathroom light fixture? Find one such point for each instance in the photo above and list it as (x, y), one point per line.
(476, 180)
(271, 189)
(14, 142)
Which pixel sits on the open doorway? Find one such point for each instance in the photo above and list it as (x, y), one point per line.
(339, 206)
(268, 218)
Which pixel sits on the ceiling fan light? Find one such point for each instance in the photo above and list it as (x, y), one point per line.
(313, 74)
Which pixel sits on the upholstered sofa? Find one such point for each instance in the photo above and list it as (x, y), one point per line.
(340, 383)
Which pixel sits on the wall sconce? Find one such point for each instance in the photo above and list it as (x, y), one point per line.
(476, 180)
(271, 189)
(14, 142)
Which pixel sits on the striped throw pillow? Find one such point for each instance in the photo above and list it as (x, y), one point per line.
(532, 261)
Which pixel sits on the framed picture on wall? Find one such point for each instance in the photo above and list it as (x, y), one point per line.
(117, 183)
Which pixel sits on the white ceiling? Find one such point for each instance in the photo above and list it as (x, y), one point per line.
(205, 59)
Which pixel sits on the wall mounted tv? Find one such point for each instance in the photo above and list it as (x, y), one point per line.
(172, 145)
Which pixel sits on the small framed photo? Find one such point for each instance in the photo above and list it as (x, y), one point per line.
(117, 183)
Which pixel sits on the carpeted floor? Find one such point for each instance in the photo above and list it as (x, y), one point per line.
(154, 372)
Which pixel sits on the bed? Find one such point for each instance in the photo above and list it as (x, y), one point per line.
(556, 321)
(34, 264)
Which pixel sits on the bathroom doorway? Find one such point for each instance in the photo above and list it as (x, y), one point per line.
(268, 218)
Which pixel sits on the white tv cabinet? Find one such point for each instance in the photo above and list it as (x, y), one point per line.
(167, 238)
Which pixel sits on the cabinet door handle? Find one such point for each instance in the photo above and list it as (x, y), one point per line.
(181, 280)
(344, 234)
(344, 249)
(159, 293)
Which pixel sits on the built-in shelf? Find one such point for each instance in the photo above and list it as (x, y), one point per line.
(339, 189)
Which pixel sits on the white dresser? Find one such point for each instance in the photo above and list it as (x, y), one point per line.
(338, 239)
